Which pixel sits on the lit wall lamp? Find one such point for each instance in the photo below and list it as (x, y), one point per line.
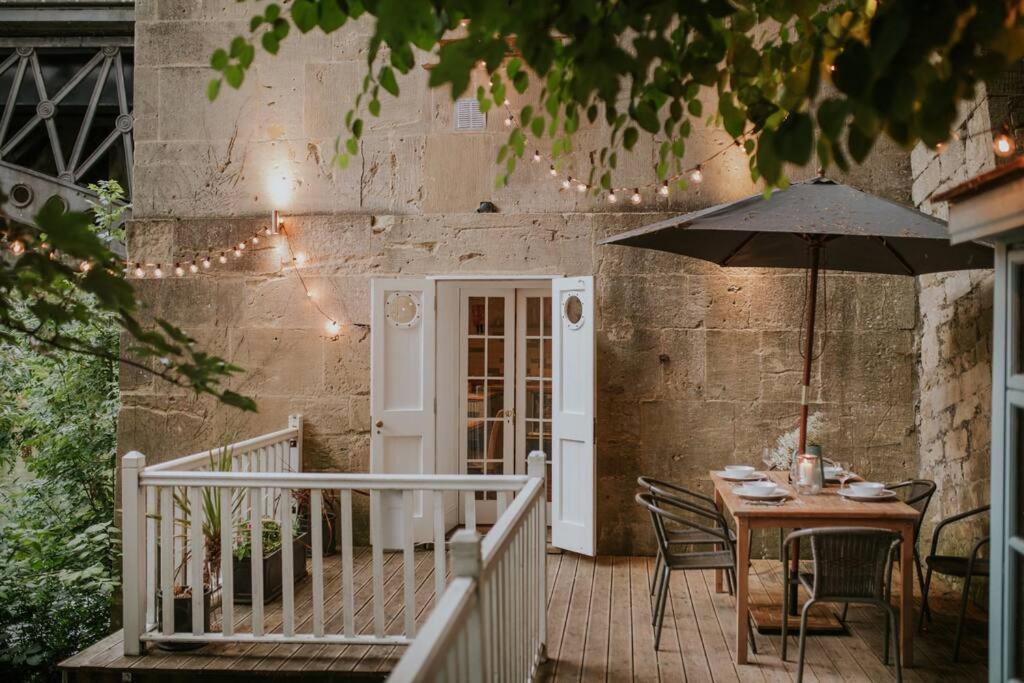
(275, 222)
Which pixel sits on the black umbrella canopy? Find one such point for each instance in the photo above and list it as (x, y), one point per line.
(857, 232)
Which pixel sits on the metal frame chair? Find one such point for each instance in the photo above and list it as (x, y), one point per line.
(851, 564)
(663, 489)
(965, 567)
(668, 509)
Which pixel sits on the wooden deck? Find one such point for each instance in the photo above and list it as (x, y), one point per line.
(598, 629)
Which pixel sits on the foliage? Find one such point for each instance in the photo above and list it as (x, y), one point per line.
(60, 274)
(789, 78)
(271, 539)
(782, 454)
(58, 547)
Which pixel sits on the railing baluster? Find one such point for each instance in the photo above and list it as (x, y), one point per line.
(256, 561)
(195, 535)
(167, 560)
(439, 545)
(409, 562)
(227, 576)
(152, 570)
(316, 529)
(348, 589)
(288, 565)
(377, 540)
(471, 510)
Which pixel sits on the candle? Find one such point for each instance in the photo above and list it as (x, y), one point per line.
(806, 472)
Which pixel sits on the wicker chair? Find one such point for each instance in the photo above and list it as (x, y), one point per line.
(676, 536)
(965, 567)
(851, 564)
(681, 514)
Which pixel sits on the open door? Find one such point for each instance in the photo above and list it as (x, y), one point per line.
(402, 394)
(573, 479)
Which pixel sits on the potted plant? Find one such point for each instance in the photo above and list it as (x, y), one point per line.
(210, 502)
(330, 513)
(271, 564)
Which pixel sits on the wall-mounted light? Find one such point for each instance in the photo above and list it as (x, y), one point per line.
(275, 222)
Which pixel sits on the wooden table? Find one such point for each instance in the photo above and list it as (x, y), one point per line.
(805, 512)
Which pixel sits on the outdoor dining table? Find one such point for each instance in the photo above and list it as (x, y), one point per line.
(826, 509)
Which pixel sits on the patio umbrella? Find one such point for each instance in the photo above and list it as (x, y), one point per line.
(813, 224)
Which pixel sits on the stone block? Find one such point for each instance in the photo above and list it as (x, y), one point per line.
(392, 173)
(347, 363)
(690, 434)
(886, 302)
(281, 362)
(733, 365)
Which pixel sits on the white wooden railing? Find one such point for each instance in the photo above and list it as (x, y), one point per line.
(165, 547)
(490, 623)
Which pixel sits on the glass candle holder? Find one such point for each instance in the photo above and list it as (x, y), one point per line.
(809, 474)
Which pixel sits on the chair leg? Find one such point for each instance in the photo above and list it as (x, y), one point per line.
(924, 600)
(654, 576)
(657, 596)
(784, 627)
(842, 617)
(753, 629)
(960, 619)
(888, 634)
(920, 582)
(730, 581)
(657, 578)
(661, 611)
(892, 629)
(803, 641)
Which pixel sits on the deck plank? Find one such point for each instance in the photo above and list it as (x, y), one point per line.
(595, 654)
(620, 648)
(574, 639)
(645, 666)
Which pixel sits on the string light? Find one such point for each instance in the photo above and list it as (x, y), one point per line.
(178, 270)
(299, 258)
(612, 198)
(139, 272)
(85, 266)
(238, 252)
(17, 247)
(193, 268)
(553, 171)
(158, 272)
(697, 175)
(663, 190)
(1003, 144)
(636, 198)
(206, 262)
(582, 187)
(536, 157)
(222, 258)
(567, 183)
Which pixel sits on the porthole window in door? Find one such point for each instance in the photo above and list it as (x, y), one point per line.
(402, 309)
(572, 311)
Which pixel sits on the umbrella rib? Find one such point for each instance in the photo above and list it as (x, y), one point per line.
(738, 248)
(896, 254)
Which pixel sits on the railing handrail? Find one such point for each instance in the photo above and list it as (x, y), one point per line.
(501, 533)
(187, 462)
(333, 480)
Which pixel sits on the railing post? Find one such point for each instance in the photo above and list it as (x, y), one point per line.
(133, 551)
(295, 447)
(465, 546)
(536, 466)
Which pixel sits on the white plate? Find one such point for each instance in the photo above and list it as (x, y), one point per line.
(778, 494)
(886, 494)
(729, 476)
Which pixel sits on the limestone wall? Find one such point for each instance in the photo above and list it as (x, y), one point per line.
(696, 365)
(955, 326)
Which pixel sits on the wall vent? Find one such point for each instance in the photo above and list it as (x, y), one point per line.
(468, 115)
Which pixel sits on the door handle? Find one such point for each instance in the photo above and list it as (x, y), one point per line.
(379, 424)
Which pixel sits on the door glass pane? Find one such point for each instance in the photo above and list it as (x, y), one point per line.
(474, 398)
(533, 357)
(1017, 319)
(1017, 656)
(495, 316)
(495, 398)
(545, 403)
(545, 317)
(547, 357)
(495, 357)
(476, 315)
(475, 359)
(533, 316)
(532, 399)
(474, 440)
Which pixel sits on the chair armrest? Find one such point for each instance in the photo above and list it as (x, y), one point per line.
(950, 520)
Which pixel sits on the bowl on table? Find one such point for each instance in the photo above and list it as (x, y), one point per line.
(739, 471)
(760, 488)
(832, 472)
(866, 489)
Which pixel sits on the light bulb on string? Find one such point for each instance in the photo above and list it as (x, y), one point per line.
(636, 198)
(139, 272)
(193, 268)
(552, 170)
(255, 240)
(1003, 144)
(697, 175)
(300, 258)
(222, 258)
(508, 121)
(940, 147)
(238, 252)
(333, 327)
(85, 266)
(267, 231)
(241, 246)
(567, 183)
(157, 272)
(17, 247)
(206, 262)
(582, 187)
(178, 270)
(663, 190)
(310, 294)
(612, 198)
(536, 156)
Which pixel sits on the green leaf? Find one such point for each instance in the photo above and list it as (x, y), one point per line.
(332, 17)
(234, 75)
(357, 128)
(794, 139)
(272, 12)
(630, 137)
(374, 107)
(305, 15)
(859, 144)
(237, 45)
(270, 42)
(695, 107)
(387, 80)
(255, 23)
(212, 89)
(352, 145)
(237, 400)
(218, 60)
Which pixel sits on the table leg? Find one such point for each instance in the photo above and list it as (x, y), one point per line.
(718, 572)
(742, 569)
(907, 595)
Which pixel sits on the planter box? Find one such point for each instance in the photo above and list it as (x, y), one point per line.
(271, 572)
(328, 523)
(183, 619)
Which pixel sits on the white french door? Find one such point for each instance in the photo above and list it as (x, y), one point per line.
(533, 378)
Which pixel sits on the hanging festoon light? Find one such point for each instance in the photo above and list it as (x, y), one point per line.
(611, 197)
(553, 171)
(663, 190)
(193, 267)
(206, 262)
(636, 198)
(567, 183)
(139, 271)
(536, 157)
(222, 258)
(1003, 144)
(238, 251)
(158, 272)
(178, 270)
(85, 266)
(582, 187)
(696, 175)
(17, 247)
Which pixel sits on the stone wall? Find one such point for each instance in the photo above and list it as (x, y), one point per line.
(696, 365)
(955, 325)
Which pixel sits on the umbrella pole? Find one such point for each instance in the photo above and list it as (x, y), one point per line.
(805, 390)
